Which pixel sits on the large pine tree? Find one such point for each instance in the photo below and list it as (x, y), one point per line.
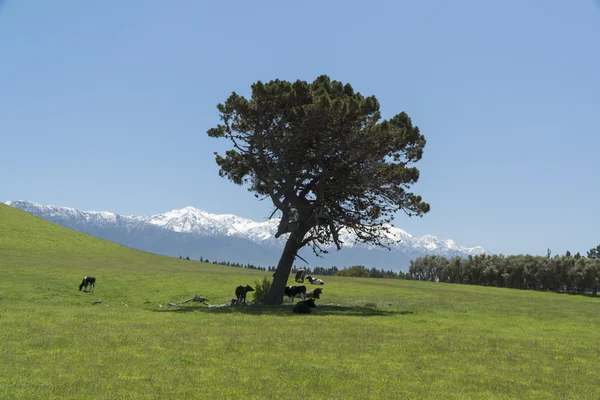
(325, 158)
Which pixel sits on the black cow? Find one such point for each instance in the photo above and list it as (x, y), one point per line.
(295, 291)
(300, 275)
(240, 293)
(304, 307)
(88, 281)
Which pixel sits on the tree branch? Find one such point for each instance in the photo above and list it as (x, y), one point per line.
(196, 298)
(297, 256)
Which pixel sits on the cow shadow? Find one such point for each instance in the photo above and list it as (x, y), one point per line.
(287, 310)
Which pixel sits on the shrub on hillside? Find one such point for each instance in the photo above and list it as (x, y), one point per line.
(260, 290)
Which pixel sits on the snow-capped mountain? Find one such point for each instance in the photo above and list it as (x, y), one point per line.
(226, 237)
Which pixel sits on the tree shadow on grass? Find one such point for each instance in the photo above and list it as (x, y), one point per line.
(286, 310)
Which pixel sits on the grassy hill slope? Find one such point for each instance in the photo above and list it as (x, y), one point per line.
(31, 247)
(26, 238)
(368, 338)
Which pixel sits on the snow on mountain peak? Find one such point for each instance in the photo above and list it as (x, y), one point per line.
(199, 222)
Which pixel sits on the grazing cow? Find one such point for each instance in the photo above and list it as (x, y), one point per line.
(300, 275)
(295, 291)
(240, 293)
(314, 281)
(88, 281)
(304, 307)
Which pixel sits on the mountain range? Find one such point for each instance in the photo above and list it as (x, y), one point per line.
(194, 233)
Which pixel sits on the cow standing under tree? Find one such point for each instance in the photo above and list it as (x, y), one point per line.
(295, 291)
(240, 293)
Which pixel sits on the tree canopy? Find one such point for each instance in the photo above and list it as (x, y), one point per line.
(323, 155)
(594, 252)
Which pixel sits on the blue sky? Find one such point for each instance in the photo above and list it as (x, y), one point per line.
(105, 105)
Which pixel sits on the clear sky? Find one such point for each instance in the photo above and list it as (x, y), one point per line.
(104, 105)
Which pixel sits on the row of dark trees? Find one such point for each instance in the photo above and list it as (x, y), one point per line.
(232, 264)
(573, 274)
(558, 273)
(359, 271)
(353, 271)
(239, 265)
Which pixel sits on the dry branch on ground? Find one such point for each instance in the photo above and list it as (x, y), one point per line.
(197, 299)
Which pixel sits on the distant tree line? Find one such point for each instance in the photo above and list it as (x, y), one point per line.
(231, 264)
(359, 271)
(354, 271)
(237, 265)
(567, 273)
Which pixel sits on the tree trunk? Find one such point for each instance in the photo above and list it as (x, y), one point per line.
(284, 267)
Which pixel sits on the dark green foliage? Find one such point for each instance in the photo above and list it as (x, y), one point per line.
(324, 157)
(561, 273)
(363, 272)
(320, 151)
(353, 271)
(594, 253)
(260, 290)
(323, 271)
(240, 265)
(356, 270)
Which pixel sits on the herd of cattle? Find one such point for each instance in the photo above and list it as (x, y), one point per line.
(291, 292)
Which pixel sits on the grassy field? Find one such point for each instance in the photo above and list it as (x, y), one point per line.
(368, 338)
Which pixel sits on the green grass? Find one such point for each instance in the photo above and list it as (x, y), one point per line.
(368, 338)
